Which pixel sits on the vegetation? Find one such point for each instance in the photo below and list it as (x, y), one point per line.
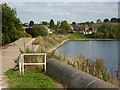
(106, 20)
(77, 36)
(108, 30)
(30, 80)
(45, 23)
(11, 25)
(37, 31)
(105, 31)
(31, 23)
(95, 68)
(65, 28)
(48, 42)
(0, 24)
(61, 27)
(12, 30)
(0, 37)
(52, 24)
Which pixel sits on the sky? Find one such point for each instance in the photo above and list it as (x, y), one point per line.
(86, 10)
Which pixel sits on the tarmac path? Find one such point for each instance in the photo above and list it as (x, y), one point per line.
(7, 56)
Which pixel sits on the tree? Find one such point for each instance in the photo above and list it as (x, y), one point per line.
(106, 20)
(44, 23)
(73, 23)
(11, 25)
(52, 25)
(118, 20)
(0, 16)
(108, 30)
(98, 21)
(58, 24)
(31, 23)
(88, 23)
(65, 27)
(92, 22)
(37, 31)
(113, 20)
(40, 31)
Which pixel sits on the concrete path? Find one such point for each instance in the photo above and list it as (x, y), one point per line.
(8, 55)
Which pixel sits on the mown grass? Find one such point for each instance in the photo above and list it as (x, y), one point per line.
(30, 80)
(77, 36)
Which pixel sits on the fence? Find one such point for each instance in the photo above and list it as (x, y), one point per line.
(22, 63)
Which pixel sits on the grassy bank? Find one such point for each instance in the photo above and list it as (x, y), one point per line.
(30, 80)
(49, 43)
(82, 37)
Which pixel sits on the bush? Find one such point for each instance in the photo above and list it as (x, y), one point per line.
(37, 31)
(40, 31)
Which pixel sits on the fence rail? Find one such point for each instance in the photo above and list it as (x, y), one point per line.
(22, 63)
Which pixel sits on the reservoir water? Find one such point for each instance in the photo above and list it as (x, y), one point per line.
(107, 50)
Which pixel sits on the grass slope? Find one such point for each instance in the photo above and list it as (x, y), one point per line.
(30, 80)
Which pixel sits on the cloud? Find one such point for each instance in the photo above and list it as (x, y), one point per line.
(59, 0)
(72, 11)
(39, 10)
(16, 4)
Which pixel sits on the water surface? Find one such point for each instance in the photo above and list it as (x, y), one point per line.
(107, 50)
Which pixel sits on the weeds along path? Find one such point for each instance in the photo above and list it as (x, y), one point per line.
(8, 55)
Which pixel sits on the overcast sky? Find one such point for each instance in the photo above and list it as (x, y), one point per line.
(67, 10)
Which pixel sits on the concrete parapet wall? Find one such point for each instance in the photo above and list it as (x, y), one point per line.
(74, 78)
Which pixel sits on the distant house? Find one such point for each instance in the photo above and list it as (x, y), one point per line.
(81, 28)
(50, 31)
(93, 28)
(85, 29)
(26, 24)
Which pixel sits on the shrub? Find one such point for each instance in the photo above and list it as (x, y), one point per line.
(37, 31)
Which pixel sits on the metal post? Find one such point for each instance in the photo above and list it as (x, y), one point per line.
(45, 63)
(20, 63)
(23, 64)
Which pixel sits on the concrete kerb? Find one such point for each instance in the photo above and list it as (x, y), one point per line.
(74, 78)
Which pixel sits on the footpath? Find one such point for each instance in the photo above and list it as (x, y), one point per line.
(8, 55)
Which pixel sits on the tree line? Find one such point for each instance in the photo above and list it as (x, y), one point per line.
(12, 27)
(62, 27)
(108, 30)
